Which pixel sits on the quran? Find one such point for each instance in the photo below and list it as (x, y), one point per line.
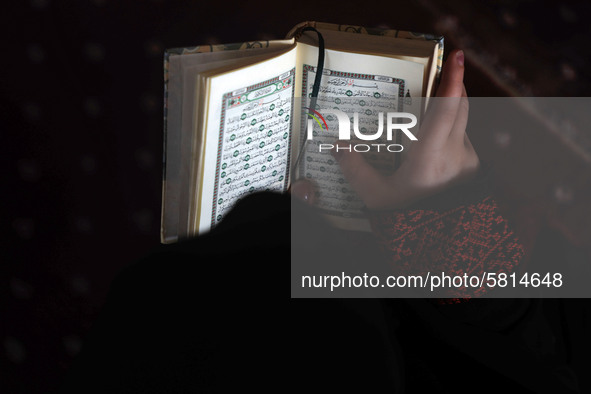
(235, 116)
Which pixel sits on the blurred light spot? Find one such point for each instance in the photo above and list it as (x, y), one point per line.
(36, 53)
(502, 139)
(88, 163)
(143, 220)
(94, 52)
(508, 19)
(154, 48)
(567, 128)
(73, 344)
(24, 227)
(144, 158)
(39, 4)
(568, 72)
(567, 14)
(92, 107)
(28, 169)
(20, 289)
(447, 23)
(15, 351)
(83, 225)
(509, 72)
(32, 112)
(563, 194)
(80, 284)
(212, 40)
(149, 103)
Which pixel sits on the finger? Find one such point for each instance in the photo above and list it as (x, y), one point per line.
(470, 149)
(452, 76)
(441, 114)
(369, 185)
(471, 161)
(304, 190)
(459, 128)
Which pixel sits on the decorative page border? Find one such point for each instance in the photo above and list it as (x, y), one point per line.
(368, 77)
(232, 98)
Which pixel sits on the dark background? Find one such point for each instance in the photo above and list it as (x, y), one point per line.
(81, 104)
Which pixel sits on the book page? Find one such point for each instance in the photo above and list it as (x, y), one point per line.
(417, 51)
(351, 83)
(181, 101)
(247, 137)
(192, 120)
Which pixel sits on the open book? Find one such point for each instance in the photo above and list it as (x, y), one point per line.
(236, 116)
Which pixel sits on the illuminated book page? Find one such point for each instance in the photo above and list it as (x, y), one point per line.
(187, 120)
(248, 136)
(351, 83)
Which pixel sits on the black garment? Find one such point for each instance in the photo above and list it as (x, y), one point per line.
(211, 314)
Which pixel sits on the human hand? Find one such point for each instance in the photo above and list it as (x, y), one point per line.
(442, 157)
(304, 190)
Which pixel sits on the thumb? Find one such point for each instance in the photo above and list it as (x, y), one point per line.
(365, 180)
(452, 75)
(443, 109)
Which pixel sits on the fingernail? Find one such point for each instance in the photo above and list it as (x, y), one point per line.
(460, 57)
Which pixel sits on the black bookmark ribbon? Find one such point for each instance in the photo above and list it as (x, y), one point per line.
(315, 86)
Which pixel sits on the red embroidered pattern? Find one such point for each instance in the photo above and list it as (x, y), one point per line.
(470, 239)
